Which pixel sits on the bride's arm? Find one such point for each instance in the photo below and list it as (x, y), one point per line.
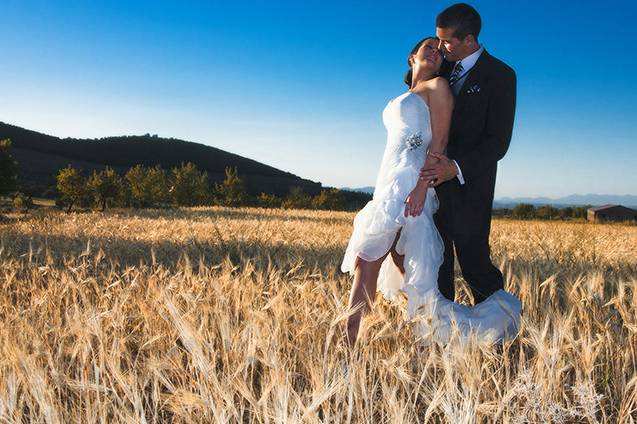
(440, 110)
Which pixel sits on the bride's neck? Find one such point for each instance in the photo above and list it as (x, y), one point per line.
(421, 75)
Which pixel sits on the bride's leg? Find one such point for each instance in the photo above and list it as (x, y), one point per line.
(362, 295)
(363, 292)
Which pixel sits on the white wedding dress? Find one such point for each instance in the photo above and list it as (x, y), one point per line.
(406, 119)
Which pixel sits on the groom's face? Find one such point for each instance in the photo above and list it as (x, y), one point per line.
(453, 48)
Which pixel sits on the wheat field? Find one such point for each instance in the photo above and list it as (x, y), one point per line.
(215, 315)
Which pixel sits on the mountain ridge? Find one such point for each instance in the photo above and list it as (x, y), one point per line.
(570, 200)
(574, 200)
(40, 156)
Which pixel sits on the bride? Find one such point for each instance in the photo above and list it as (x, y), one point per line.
(394, 241)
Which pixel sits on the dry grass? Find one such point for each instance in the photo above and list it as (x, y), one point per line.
(225, 315)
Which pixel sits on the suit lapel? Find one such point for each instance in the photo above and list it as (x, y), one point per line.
(474, 75)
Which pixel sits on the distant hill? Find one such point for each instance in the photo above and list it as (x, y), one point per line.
(40, 156)
(571, 200)
(369, 190)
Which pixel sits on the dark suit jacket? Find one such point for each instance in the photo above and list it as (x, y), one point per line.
(480, 133)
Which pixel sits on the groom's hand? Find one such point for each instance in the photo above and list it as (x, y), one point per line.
(440, 172)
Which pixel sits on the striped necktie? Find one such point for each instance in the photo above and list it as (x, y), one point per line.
(457, 71)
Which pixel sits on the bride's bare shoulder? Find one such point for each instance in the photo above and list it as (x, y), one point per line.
(439, 84)
(438, 88)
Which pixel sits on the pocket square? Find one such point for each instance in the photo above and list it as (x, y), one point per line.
(475, 88)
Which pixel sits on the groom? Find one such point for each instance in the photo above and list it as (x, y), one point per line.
(480, 133)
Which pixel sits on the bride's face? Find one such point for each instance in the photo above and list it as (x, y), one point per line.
(429, 55)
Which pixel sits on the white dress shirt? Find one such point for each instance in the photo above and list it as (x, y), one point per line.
(467, 63)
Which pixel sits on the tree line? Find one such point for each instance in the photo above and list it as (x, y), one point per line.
(124, 152)
(528, 211)
(153, 186)
(184, 185)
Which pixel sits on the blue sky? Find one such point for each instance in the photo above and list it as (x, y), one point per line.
(301, 85)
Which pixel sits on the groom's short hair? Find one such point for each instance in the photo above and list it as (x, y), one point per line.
(463, 18)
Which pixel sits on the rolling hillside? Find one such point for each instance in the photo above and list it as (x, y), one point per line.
(40, 156)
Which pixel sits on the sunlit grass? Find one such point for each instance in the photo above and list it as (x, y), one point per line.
(237, 315)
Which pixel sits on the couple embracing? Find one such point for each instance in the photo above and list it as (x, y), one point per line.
(434, 191)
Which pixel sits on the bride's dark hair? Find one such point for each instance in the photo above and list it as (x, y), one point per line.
(410, 72)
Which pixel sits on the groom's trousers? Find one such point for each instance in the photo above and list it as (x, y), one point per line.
(473, 253)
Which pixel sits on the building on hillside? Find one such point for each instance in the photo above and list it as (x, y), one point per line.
(611, 213)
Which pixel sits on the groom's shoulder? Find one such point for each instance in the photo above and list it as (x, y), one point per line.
(498, 66)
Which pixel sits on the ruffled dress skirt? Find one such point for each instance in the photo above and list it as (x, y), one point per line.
(437, 318)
